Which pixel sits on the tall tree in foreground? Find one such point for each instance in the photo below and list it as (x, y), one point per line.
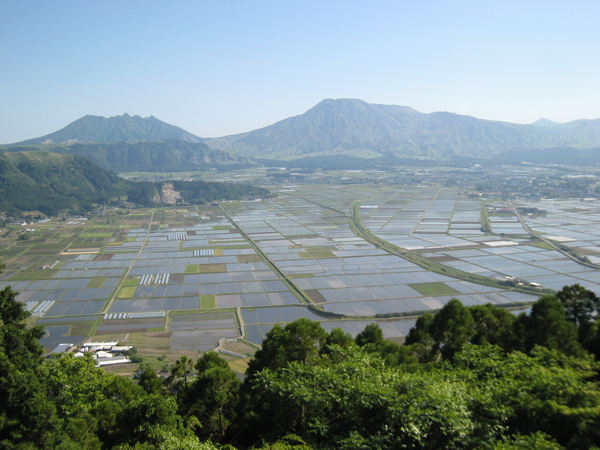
(301, 340)
(548, 326)
(582, 307)
(26, 414)
(211, 396)
(580, 304)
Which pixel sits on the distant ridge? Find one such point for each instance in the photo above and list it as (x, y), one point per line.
(545, 123)
(356, 128)
(98, 129)
(348, 128)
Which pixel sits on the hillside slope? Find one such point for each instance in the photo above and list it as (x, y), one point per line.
(51, 182)
(54, 183)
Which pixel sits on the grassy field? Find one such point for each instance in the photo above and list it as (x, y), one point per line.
(131, 282)
(208, 301)
(96, 282)
(192, 268)
(212, 268)
(436, 288)
(244, 259)
(126, 292)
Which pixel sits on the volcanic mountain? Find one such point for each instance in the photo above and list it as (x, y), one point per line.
(355, 128)
(95, 129)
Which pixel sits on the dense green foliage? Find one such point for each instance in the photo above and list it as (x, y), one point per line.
(469, 377)
(53, 183)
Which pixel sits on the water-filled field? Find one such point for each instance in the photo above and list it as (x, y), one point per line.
(181, 279)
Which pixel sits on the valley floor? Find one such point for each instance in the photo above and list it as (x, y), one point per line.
(175, 281)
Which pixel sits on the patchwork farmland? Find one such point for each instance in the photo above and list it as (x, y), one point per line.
(182, 280)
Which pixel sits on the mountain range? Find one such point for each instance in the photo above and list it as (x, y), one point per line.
(343, 127)
(356, 128)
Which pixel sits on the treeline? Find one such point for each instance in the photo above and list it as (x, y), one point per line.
(468, 377)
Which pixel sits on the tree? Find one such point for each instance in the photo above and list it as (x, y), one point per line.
(579, 302)
(492, 325)
(338, 338)
(210, 360)
(451, 328)
(75, 385)
(149, 380)
(580, 306)
(547, 325)
(26, 414)
(421, 334)
(212, 396)
(545, 392)
(359, 402)
(180, 374)
(371, 335)
(301, 340)
(371, 340)
(140, 420)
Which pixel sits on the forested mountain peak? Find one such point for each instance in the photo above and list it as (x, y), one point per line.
(152, 156)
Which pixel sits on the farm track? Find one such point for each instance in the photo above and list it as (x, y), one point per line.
(427, 263)
(359, 230)
(550, 242)
(120, 285)
(283, 277)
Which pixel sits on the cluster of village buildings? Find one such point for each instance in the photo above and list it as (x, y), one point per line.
(104, 353)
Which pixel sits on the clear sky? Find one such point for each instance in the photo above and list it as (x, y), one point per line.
(221, 67)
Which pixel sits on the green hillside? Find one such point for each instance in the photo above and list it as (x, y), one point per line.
(50, 182)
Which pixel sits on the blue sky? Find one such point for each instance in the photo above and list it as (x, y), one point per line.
(222, 67)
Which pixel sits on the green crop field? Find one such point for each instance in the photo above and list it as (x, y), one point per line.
(433, 289)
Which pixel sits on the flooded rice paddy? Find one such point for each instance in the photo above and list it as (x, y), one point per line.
(188, 277)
